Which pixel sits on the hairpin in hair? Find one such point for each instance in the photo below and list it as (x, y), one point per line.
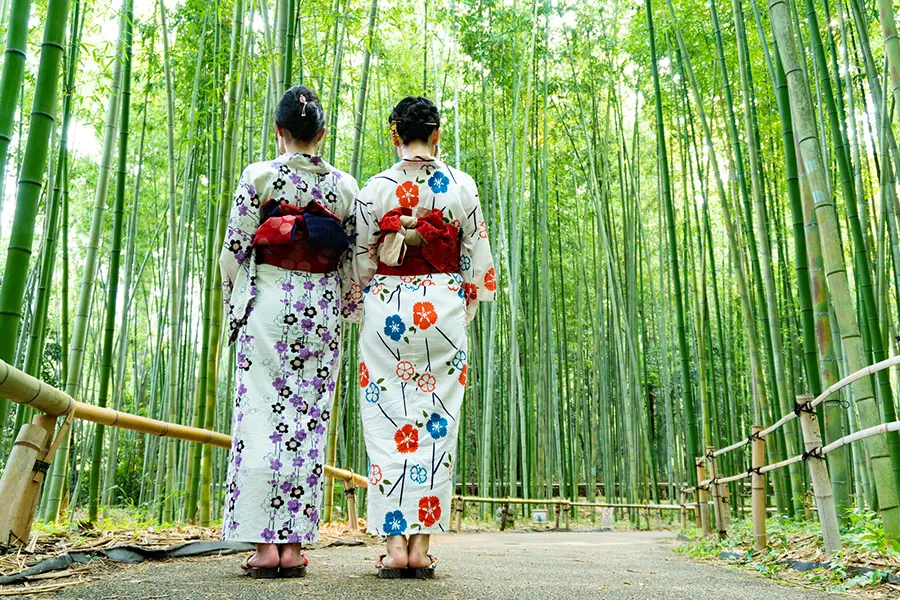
(302, 100)
(432, 124)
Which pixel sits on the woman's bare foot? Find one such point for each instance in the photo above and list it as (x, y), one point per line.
(292, 556)
(396, 553)
(266, 557)
(418, 551)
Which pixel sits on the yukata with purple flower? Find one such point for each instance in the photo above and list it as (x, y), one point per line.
(285, 322)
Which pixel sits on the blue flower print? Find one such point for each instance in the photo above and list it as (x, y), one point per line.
(373, 393)
(394, 523)
(459, 359)
(436, 426)
(465, 263)
(418, 473)
(394, 327)
(439, 183)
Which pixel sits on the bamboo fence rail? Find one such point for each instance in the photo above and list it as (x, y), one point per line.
(34, 448)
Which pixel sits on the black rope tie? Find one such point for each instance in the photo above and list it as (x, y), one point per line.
(803, 408)
(754, 471)
(814, 453)
(41, 466)
(350, 491)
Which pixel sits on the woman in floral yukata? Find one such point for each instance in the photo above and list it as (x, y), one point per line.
(282, 291)
(422, 263)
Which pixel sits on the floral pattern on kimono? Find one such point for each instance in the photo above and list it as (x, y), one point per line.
(413, 347)
(286, 327)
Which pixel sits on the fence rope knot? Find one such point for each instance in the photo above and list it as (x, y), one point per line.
(813, 453)
(753, 437)
(803, 407)
(754, 471)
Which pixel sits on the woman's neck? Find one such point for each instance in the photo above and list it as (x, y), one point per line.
(416, 148)
(293, 147)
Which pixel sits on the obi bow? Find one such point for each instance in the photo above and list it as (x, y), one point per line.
(284, 224)
(401, 230)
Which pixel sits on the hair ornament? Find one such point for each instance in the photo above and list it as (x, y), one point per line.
(303, 102)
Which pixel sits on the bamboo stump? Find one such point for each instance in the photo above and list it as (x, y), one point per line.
(19, 486)
(702, 495)
(350, 493)
(557, 510)
(758, 490)
(460, 503)
(683, 509)
(818, 472)
(718, 494)
(565, 508)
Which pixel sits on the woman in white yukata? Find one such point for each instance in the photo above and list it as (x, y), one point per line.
(422, 263)
(280, 262)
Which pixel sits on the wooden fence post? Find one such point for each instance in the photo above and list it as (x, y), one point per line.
(702, 495)
(557, 510)
(565, 508)
(758, 490)
(18, 493)
(460, 503)
(818, 472)
(350, 493)
(503, 514)
(683, 509)
(696, 500)
(717, 490)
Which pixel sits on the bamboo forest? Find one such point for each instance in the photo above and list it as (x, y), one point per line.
(692, 209)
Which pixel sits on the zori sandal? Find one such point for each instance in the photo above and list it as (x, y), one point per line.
(389, 572)
(294, 572)
(424, 572)
(258, 572)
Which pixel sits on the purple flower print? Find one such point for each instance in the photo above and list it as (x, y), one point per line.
(316, 160)
(316, 193)
(293, 506)
(287, 287)
(311, 513)
(242, 389)
(242, 210)
(305, 353)
(298, 461)
(279, 383)
(275, 465)
(300, 435)
(312, 480)
(294, 538)
(323, 303)
(320, 429)
(299, 306)
(286, 487)
(295, 178)
(280, 347)
(326, 336)
(306, 324)
(238, 460)
(275, 437)
(313, 453)
(268, 535)
(309, 285)
(315, 412)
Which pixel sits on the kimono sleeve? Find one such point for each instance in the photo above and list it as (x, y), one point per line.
(242, 225)
(351, 294)
(476, 264)
(363, 251)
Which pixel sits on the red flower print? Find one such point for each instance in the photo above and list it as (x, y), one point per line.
(405, 370)
(463, 375)
(408, 279)
(429, 510)
(471, 291)
(482, 231)
(424, 315)
(407, 438)
(427, 383)
(376, 289)
(374, 475)
(363, 375)
(490, 280)
(356, 292)
(408, 194)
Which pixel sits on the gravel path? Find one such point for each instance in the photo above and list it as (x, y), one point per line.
(490, 566)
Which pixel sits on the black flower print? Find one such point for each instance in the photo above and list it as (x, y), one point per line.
(296, 347)
(322, 372)
(297, 363)
(279, 184)
(317, 471)
(278, 408)
(303, 187)
(320, 329)
(325, 415)
(235, 246)
(246, 365)
(281, 428)
(286, 392)
(331, 197)
(290, 319)
(284, 169)
(333, 345)
(310, 312)
(297, 491)
(276, 502)
(328, 295)
(312, 424)
(254, 200)
(284, 532)
(334, 310)
(292, 445)
(239, 448)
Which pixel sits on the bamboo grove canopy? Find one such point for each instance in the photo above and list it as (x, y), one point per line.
(692, 206)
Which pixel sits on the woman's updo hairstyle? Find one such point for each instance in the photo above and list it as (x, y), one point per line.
(300, 112)
(415, 119)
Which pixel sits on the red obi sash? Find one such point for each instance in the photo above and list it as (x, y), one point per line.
(439, 252)
(300, 238)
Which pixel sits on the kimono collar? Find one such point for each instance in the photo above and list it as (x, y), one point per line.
(417, 162)
(304, 162)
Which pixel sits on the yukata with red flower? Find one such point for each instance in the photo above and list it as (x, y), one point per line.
(282, 288)
(422, 263)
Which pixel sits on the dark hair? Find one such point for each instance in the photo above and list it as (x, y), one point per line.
(415, 118)
(301, 113)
